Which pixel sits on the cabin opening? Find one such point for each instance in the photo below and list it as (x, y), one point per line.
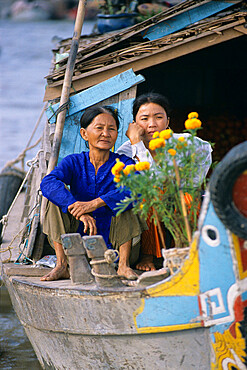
(211, 81)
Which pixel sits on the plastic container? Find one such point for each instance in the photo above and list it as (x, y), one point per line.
(113, 22)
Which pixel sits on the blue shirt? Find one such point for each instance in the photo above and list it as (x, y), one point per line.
(78, 172)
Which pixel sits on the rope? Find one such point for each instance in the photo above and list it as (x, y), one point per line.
(21, 156)
(9, 247)
(31, 163)
(60, 109)
(110, 256)
(104, 276)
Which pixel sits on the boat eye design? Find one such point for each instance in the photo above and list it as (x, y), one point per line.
(211, 235)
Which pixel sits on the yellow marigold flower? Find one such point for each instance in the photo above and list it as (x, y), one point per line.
(191, 124)
(140, 166)
(193, 115)
(188, 124)
(172, 151)
(156, 134)
(156, 143)
(197, 123)
(141, 206)
(166, 134)
(181, 138)
(116, 179)
(128, 169)
(117, 168)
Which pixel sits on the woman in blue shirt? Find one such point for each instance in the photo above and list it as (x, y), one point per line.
(93, 195)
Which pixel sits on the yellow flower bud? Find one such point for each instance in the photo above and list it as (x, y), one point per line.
(166, 134)
(181, 138)
(128, 169)
(172, 152)
(191, 124)
(116, 179)
(156, 134)
(193, 115)
(156, 143)
(140, 166)
(197, 123)
(117, 168)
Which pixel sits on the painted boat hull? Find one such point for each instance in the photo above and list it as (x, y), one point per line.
(99, 331)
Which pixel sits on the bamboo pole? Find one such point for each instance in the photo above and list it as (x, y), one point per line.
(65, 96)
(67, 85)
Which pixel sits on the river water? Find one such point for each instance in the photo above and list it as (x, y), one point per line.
(25, 58)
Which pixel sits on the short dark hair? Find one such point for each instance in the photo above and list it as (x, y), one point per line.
(151, 98)
(92, 112)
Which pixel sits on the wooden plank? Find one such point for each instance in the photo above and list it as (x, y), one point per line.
(12, 269)
(96, 94)
(185, 19)
(116, 37)
(72, 141)
(166, 53)
(242, 29)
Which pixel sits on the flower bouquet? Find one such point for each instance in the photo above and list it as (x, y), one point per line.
(167, 192)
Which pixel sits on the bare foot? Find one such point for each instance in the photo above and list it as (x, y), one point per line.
(146, 263)
(127, 272)
(59, 272)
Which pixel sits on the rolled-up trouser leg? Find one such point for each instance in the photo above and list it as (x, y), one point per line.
(127, 226)
(57, 223)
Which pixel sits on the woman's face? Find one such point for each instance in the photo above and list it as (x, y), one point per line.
(151, 117)
(101, 133)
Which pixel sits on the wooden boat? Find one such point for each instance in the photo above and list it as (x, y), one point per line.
(185, 318)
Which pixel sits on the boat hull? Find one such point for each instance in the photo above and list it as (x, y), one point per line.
(100, 331)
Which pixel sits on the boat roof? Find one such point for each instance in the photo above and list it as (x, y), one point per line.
(180, 30)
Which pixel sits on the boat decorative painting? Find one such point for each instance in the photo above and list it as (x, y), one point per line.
(191, 311)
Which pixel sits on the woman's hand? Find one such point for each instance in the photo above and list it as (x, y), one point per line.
(89, 224)
(135, 132)
(78, 209)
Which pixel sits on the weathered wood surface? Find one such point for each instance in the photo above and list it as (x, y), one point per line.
(119, 92)
(12, 269)
(175, 322)
(166, 351)
(191, 16)
(100, 330)
(104, 273)
(79, 269)
(140, 55)
(90, 46)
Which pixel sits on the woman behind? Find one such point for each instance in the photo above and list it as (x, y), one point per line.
(151, 114)
(89, 205)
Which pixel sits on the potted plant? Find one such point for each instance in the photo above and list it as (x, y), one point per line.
(116, 14)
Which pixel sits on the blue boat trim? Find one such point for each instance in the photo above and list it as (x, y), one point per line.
(185, 19)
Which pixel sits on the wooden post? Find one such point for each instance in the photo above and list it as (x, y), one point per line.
(104, 272)
(67, 85)
(65, 96)
(80, 272)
